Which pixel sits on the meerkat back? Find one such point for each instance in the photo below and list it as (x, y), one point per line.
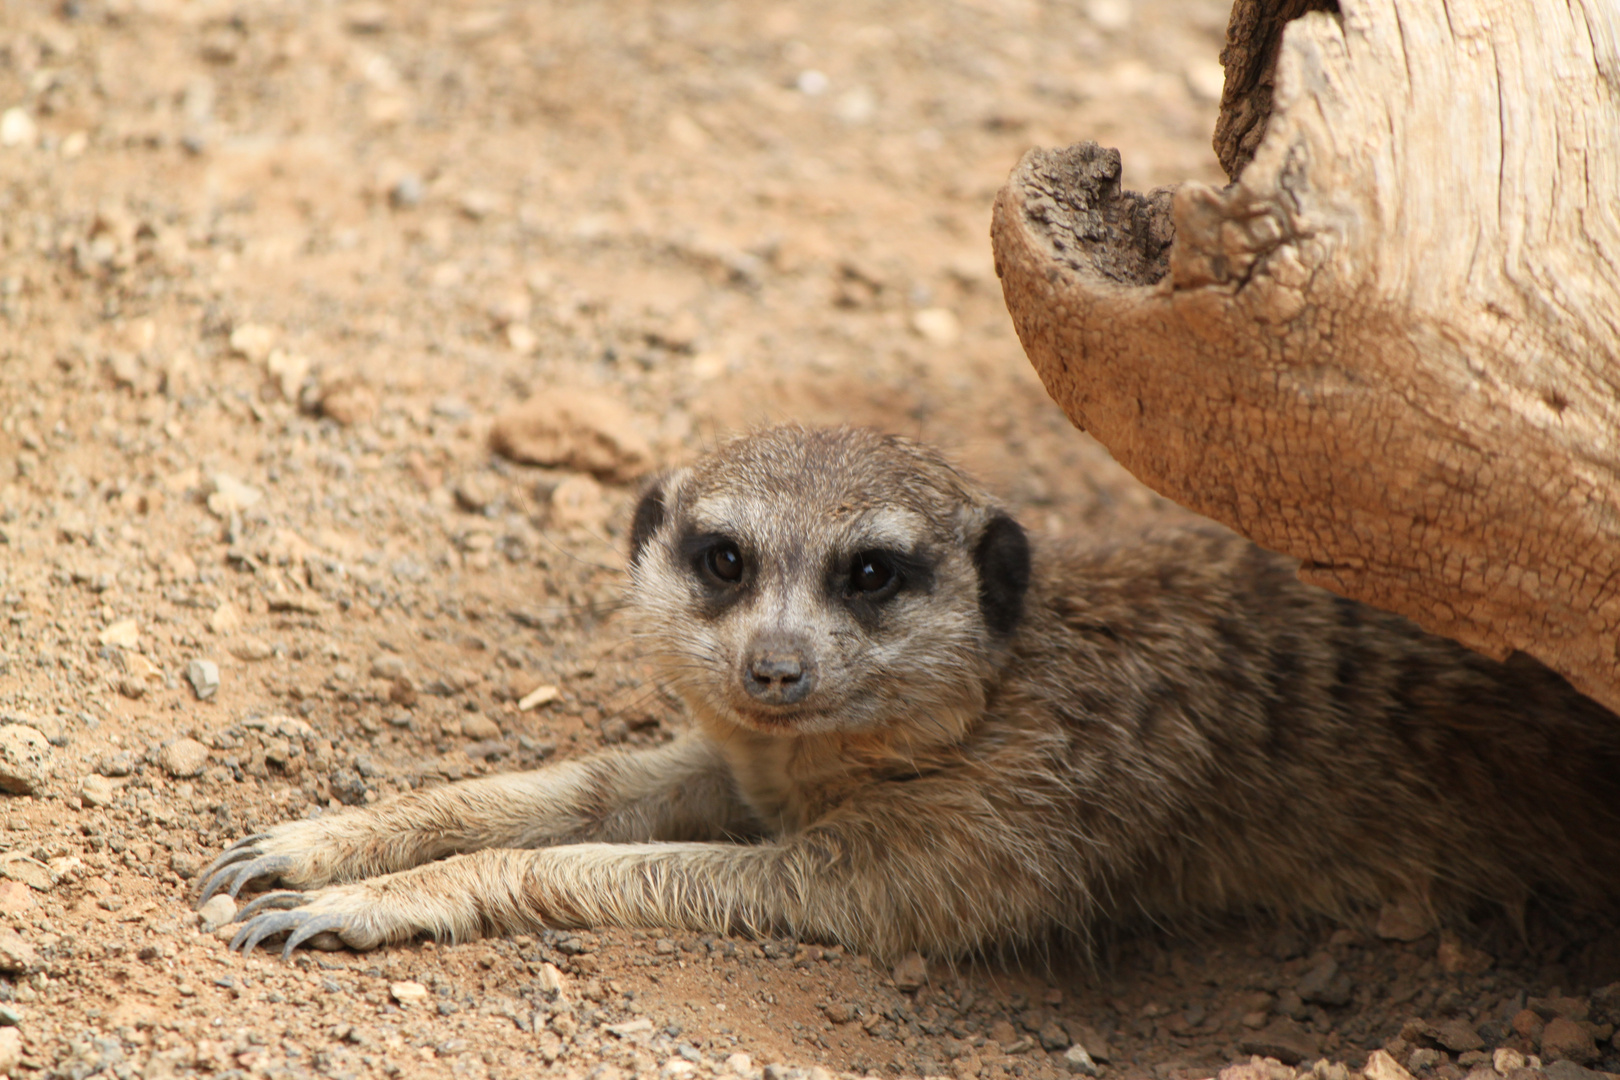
(1310, 753)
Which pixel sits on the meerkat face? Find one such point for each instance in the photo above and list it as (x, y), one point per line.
(808, 581)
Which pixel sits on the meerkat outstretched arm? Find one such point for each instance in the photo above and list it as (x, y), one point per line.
(943, 870)
(680, 791)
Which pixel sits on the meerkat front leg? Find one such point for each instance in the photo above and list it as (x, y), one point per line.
(918, 869)
(680, 791)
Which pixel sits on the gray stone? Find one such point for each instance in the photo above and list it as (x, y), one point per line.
(406, 192)
(25, 759)
(119, 764)
(204, 678)
(1078, 1061)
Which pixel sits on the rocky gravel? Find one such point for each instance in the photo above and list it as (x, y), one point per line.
(334, 341)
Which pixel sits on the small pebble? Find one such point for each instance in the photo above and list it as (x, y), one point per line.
(408, 993)
(388, 666)
(25, 759)
(550, 981)
(204, 678)
(480, 727)
(910, 973)
(406, 192)
(219, 910)
(537, 697)
(1077, 1060)
(251, 649)
(253, 342)
(183, 758)
(97, 791)
(1506, 1059)
(118, 764)
(937, 326)
(17, 128)
(231, 496)
(225, 618)
(476, 492)
(123, 634)
(839, 1012)
(17, 957)
(1564, 1039)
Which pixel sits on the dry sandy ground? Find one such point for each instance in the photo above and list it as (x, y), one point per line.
(268, 271)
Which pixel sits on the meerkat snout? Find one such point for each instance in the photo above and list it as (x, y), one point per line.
(779, 670)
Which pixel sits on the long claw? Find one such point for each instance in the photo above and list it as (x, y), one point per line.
(285, 898)
(261, 927)
(229, 857)
(213, 879)
(314, 924)
(246, 841)
(302, 925)
(265, 866)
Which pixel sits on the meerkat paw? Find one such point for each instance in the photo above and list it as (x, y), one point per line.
(352, 912)
(299, 854)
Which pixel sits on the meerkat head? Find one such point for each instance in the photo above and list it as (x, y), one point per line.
(805, 581)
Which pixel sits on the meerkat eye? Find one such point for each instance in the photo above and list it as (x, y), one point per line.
(724, 562)
(873, 572)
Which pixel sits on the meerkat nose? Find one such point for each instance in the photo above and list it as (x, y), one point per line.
(778, 673)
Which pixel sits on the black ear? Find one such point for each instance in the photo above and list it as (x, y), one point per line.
(649, 515)
(1002, 557)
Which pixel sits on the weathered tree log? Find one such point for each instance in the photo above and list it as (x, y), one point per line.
(1392, 347)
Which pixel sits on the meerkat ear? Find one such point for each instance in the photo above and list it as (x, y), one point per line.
(649, 516)
(1002, 559)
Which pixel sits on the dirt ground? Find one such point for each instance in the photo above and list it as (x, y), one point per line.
(269, 272)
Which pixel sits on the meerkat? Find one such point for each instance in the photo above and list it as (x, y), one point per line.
(915, 730)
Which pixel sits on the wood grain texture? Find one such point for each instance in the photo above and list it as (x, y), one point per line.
(1392, 348)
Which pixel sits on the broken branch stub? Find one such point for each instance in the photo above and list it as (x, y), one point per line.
(1392, 348)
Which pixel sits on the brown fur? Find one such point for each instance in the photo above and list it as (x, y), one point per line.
(1169, 726)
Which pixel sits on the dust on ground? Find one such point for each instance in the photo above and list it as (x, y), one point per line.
(269, 272)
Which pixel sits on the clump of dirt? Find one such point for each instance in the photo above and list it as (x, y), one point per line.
(269, 275)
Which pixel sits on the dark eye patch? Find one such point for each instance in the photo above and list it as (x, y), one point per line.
(871, 577)
(720, 564)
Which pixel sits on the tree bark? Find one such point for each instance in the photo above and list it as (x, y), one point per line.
(1391, 349)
